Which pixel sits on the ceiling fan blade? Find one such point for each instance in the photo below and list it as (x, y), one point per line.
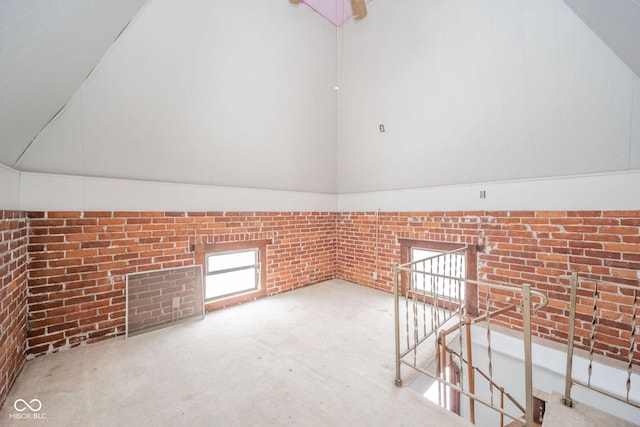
(359, 8)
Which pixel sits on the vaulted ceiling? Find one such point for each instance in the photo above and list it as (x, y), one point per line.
(49, 47)
(617, 22)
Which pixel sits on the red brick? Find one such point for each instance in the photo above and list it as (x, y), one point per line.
(620, 230)
(64, 214)
(622, 247)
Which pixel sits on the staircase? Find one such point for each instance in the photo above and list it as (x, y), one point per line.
(428, 318)
(559, 415)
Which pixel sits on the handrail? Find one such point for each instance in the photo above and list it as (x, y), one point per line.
(600, 282)
(439, 254)
(575, 281)
(414, 294)
(485, 376)
(462, 391)
(480, 318)
(512, 288)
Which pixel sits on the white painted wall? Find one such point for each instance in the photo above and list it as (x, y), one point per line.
(48, 192)
(43, 192)
(480, 91)
(9, 188)
(234, 93)
(549, 366)
(609, 191)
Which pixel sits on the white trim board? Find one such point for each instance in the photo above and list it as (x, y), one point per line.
(609, 191)
(46, 192)
(9, 188)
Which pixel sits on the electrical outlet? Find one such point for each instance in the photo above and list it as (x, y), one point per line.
(483, 194)
(375, 275)
(175, 303)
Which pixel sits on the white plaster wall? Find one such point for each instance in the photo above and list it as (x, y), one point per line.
(610, 191)
(9, 188)
(234, 93)
(480, 91)
(65, 192)
(549, 367)
(48, 192)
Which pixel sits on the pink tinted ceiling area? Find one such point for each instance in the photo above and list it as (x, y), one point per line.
(336, 11)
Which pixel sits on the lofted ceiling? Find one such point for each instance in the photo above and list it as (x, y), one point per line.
(617, 23)
(49, 47)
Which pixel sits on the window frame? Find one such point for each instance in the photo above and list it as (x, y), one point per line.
(471, 295)
(255, 267)
(436, 253)
(203, 252)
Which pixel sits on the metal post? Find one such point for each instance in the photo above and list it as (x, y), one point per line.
(471, 372)
(396, 305)
(572, 318)
(501, 406)
(443, 359)
(528, 380)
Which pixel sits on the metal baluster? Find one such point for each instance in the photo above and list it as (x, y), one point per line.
(501, 406)
(471, 372)
(438, 366)
(434, 319)
(460, 343)
(632, 340)
(434, 292)
(461, 314)
(396, 310)
(459, 281)
(439, 285)
(447, 282)
(416, 330)
(528, 374)
(443, 349)
(424, 297)
(572, 324)
(408, 278)
(488, 316)
(440, 339)
(592, 335)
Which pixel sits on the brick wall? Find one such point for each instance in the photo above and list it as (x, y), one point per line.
(151, 296)
(517, 248)
(13, 297)
(78, 261)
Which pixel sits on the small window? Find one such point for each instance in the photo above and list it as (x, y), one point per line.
(452, 265)
(232, 273)
(465, 263)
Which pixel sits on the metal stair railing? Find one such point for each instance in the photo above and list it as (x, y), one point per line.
(621, 290)
(455, 306)
(503, 393)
